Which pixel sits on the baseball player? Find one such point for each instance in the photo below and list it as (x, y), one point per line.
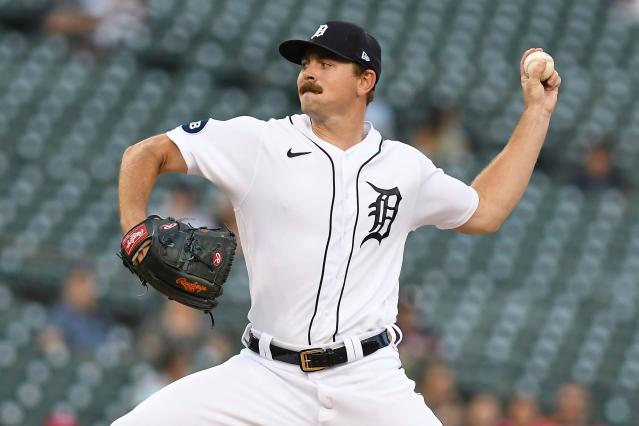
(324, 204)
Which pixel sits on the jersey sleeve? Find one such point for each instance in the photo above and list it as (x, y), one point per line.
(224, 152)
(442, 200)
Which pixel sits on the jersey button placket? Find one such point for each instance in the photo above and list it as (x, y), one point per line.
(344, 233)
(347, 196)
(330, 289)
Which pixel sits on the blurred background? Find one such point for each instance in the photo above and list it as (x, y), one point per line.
(533, 326)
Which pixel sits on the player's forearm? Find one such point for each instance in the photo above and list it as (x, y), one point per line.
(502, 184)
(138, 173)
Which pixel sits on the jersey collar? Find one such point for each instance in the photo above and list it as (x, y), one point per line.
(365, 148)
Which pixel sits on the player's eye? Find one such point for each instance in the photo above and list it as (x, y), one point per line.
(325, 64)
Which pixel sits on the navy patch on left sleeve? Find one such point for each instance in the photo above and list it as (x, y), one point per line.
(194, 126)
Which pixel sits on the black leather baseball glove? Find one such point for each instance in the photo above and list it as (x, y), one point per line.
(186, 264)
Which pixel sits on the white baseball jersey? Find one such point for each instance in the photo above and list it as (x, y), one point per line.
(323, 230)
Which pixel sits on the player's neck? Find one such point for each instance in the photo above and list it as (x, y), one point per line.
(341, 131)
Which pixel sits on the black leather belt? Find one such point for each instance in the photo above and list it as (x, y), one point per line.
(318, 358)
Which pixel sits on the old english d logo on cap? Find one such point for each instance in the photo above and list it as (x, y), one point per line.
(344, 39)
(320, 31)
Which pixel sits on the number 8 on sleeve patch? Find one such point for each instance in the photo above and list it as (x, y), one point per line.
(194, 126)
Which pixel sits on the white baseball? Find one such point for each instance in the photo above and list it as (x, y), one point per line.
(535, 56)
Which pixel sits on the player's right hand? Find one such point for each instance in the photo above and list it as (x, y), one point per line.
(143, 249)
(139, 256)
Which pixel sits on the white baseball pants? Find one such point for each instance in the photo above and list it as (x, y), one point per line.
(251, 390)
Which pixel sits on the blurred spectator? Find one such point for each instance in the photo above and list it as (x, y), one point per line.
(443, 139)
(215, 351)
(483, 410)
(103, 23)
(182, 203)
(523, 411)
(439, 389)
(451, 414)
(572, 406)
(179, 326)
(120, 20)
(598, 171)
(62, 417)
(70, 18)
(75, 321)
(173, 364)
(417, 343)
(629, 8)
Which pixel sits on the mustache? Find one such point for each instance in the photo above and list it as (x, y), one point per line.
(309, 86)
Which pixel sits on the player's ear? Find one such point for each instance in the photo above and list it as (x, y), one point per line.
(367, 79)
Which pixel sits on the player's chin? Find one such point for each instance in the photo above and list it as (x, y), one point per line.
(309, 102)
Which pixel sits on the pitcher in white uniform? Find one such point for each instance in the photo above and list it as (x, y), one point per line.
(324, 204)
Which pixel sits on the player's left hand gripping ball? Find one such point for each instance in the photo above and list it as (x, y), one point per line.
(186, 264)
(540, 80)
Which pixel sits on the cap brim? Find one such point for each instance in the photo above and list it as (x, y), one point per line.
(293, 50)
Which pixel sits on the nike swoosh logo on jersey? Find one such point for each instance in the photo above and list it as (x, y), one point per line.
(291, 154)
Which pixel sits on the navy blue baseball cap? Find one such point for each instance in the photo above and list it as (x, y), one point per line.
(344, 39)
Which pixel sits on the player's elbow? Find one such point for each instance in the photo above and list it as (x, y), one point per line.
(129, 153)
(491, 227)
(137, 151)
(479, 227)
(160, 151)
(485, 220)
(491, 222)
(141, 157)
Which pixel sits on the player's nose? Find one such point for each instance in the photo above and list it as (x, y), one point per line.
(308, 74)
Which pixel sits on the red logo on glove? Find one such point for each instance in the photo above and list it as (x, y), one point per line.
(217, 259)
(133, 238)
(190, 286)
